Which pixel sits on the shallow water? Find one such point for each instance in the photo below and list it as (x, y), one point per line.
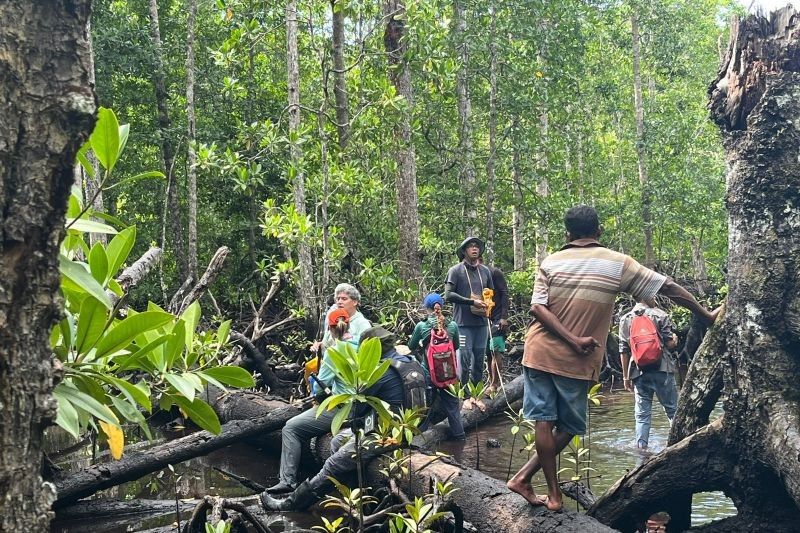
(610, 441)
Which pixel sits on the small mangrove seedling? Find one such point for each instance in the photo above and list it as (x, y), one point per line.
(577, 456)
(517, 421)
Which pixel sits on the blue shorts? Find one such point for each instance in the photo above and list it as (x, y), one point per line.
(559, 399)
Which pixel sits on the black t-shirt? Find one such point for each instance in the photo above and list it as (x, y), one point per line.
(467, 280)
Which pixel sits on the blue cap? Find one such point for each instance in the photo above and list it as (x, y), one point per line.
(432, 299)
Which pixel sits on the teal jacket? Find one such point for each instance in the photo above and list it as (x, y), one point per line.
(327, 374)
(422, 335)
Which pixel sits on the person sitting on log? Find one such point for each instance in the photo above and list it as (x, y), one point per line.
(441, 401)
(307, 424)
(389, 388)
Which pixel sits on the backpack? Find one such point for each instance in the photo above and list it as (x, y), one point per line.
(441, 358)
(645, 342)
(414, 384)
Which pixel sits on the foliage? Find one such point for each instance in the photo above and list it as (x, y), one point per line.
(116, 359)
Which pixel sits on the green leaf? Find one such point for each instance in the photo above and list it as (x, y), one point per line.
(105, 138)
(377, 373)
(86, 402)
(223, 331)
(137, 177)
(121, 334)
(201, 414)
(67, 416)
(84, 161)
(191, 316)
(135, 360)
(119, 248)
(340, 417)
(124, 130)
(140, 395)
(233, 376)
(174, 347)
(182, 385)
(91, 323)
(77, 278)
(89, 226)
(98, 263)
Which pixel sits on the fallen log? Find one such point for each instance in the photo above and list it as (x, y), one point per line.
(486, 502)
(87, 481)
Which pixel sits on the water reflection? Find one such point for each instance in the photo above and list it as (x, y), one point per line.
(611, 444)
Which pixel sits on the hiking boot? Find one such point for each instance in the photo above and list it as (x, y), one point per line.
(281, 488)
(301, 499)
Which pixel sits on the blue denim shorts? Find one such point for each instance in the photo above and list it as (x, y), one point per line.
(559, 399)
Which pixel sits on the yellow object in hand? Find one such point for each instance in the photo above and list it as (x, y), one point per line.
(488, 294)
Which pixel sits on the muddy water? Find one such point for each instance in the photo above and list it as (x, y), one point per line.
(611, 445)
(610, 442)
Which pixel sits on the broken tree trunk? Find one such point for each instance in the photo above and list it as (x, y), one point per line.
(133, 466)
(753, 453)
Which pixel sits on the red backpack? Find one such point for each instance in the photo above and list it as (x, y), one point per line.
(645, 341)
(441, 358)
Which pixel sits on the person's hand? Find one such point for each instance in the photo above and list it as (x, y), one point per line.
(585, 345)
(480, 304)
(712, 316)
(315, 346)
(503, 324)
(628, 383)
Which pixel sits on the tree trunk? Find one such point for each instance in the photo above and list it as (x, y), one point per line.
(465, 152)
(172, 217)
(48, 113)
(306, 288)
(132, 466)
(647, 217)
(396, 44)
(542, 186)
(753, 453)
(518, 223)
(339, 75)
(191, 177)
(490, 237)
(699, 267)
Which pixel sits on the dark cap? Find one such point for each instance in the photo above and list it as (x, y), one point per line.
(387, 338)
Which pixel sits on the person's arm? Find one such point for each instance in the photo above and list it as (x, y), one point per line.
(625, 352)
(625, 360)
(452, 330)
(450, 295)
(415, 342)
(580, 345)
(684, 298)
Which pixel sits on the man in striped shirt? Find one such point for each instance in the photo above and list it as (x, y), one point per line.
(573, 302)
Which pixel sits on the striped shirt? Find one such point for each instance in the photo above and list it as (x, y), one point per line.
(579, 285)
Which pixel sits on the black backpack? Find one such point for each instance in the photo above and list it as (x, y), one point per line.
(414, 383)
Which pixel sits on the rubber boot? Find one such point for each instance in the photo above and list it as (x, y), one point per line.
(301, 499)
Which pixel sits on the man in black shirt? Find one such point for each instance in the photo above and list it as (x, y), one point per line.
(464, 289)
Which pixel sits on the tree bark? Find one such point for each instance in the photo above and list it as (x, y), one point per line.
(755, 101)
(306, 288)
(486, 502)
(191, 160)
(48, 113)
(339, 74)
(641, 153)
(490, 237)
(467, 178)
(518, 224)
(172, 213)
(396, 45)
(135, 465)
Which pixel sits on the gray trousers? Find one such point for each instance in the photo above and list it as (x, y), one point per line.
(298, 429)
(343, 459)
(474, 340)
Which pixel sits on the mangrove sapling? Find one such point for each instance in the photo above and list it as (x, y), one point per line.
(594, 398)
(477, 391)
(358, 371)
(517, 421)
(577, 456)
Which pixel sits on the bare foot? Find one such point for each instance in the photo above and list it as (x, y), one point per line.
(481, 405)
(468, 404)
(526, 491)
(553, 504)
